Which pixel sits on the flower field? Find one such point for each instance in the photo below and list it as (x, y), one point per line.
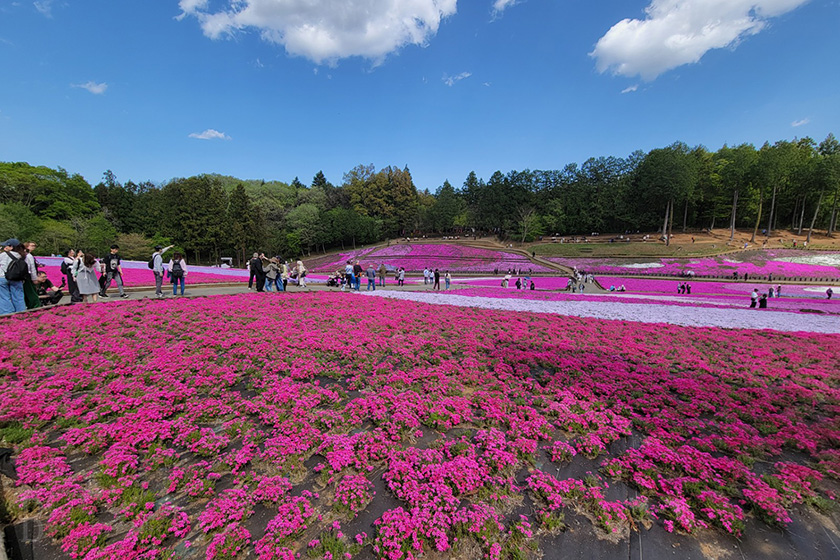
(331, 426)
(445, 256)
(781, 263)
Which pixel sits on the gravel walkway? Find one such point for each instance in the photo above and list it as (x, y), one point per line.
(641, 312)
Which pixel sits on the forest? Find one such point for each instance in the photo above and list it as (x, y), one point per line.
(788, 185)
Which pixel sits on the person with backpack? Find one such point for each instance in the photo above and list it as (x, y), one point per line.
(13, 270)
(156, 264)
(177, 272)
(67, 271)
(113, 271)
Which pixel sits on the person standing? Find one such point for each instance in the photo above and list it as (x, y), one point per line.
(436, 276)
(357, 274)
(349, 278)
(84, 270)
(157, 268)
(371, 278)
(251, 273)
(382, 272)
(402, 277)
(11, 291)
(301, 274)
(425, 276)
(113, 271)
(829, 292)
(754, 298)
(447, 278)
(779, 291)
(178, 272)
(30, 293)
(258, 272)
(67, 270)
(762, 301)
(272, 273)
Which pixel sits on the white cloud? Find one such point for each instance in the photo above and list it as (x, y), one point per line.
(800, 122)
(93, 87)
(499, 6)
(44, 6)
(189, 7)
(210, 134)
(327, 30)
(677, 32)
(451, 80)
(630, 89)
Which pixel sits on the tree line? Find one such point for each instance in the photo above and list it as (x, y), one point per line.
(793, 185)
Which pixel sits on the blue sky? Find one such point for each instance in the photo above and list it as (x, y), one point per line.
(273, 89)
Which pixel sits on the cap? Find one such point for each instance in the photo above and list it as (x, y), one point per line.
(11, 242)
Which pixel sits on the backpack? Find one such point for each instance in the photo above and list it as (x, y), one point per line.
(152, 263)
(17, 270)
(176, 271)
(65, 270)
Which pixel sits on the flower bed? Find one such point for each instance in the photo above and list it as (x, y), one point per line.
(782, 263)
(241, 423)
(444, 256)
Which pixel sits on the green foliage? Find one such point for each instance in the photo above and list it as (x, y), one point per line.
(13, 433)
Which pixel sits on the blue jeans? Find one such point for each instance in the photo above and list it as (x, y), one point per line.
(278, 282)
(175, 285)
(11, 296)
(268, 283)
(371, 284)
(358, 283)
(447, 283)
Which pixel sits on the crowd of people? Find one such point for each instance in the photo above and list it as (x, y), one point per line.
(84, 277)
(274, 274)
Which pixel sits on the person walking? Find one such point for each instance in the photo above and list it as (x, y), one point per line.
(436, 276)
(84, 270)
(829, 292)
(256, 267)
(754, 298)
(157, 268)
(11, 290)
(178, 272)
(447, 278)
(402, 277)
(425, 276)
(370, 273)
(382, 272)
(113, 271)
(67, 270)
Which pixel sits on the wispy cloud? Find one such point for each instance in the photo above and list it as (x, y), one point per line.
(210, 134)
(630, 89)
(93, 87)
(451, 80)
(800, 122)
(678, 32)
(44, 6)
(500, 6)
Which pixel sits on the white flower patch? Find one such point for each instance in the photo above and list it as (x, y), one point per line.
(641, 265)
(831, 259)
(761, 319)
